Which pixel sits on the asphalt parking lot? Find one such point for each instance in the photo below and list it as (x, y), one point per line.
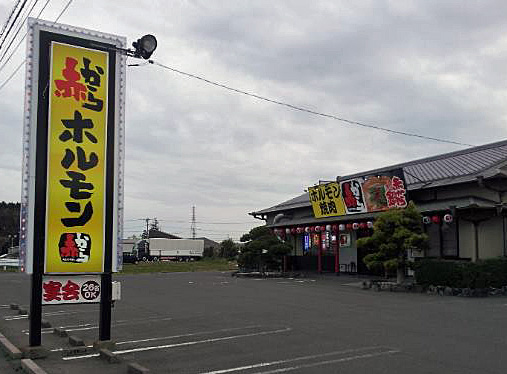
(212, 323)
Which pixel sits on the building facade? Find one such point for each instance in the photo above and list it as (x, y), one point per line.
(462, 196)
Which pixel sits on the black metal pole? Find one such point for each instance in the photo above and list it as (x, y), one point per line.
(106, 277)
(105, 307)
(36, 310)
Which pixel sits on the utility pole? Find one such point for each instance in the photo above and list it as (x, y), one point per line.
(192, 227)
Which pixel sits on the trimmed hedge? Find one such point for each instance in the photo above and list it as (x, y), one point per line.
(458, 274)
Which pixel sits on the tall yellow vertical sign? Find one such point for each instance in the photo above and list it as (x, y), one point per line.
(76, 166)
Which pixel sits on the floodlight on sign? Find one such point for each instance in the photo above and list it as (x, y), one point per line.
(145, 46)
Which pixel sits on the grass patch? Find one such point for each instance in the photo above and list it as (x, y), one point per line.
(207, 264)
(9, 269)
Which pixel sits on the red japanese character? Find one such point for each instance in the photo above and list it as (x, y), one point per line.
(52, 291)
(70, 86)
(397, 183)
(70, 291)
(69, 249)
(396, 198)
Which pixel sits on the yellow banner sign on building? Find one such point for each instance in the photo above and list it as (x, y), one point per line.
(77, 159)
(326, 200)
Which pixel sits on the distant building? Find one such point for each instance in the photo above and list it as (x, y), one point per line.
(462, 196)
(210, 245)
(162, 234)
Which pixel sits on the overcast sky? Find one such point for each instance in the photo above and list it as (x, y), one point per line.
(435, 68)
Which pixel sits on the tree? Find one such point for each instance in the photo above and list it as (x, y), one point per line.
(153, 226)
(262, 250)
(9, 225)
(394, 232)
(228, 249)
(208, 252)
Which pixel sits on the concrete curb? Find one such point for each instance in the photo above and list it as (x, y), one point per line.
(30, 367)
(58, 331)
(10, 348)
(107, 355)
(45, 324)
(75, 341)
(134, 368)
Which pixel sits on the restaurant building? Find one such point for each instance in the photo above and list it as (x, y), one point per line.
(462, 196)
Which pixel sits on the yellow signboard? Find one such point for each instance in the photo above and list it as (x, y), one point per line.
(76, 179)
(326, 200)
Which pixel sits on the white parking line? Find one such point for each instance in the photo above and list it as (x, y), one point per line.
(172, 336)
(25, 316)
(166, 346)
(344, 359)
(186, 335)
(302, 358)
(119, 323)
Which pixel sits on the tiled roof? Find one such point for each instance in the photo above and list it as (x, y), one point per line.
(448, 168)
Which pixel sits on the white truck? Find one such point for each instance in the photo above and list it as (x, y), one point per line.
(161, 249)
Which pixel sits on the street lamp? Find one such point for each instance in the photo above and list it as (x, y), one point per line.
(12, 237)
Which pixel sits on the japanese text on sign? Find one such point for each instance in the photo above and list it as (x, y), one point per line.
(357, 196)
(76, 160)
(326, 200)
(70, 290)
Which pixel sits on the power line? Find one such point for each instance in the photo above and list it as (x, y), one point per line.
(301, 109)
(9, 18)
(12, 75)
(12, 24)
(16, 33)
(22, 39)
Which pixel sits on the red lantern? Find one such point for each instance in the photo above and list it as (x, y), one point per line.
(362, 225)
(334, 228)
(322, 228)
(293, 231)
(435, 219)
(348, 226)
(299, 230)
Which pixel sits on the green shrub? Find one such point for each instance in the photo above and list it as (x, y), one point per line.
(460, 274)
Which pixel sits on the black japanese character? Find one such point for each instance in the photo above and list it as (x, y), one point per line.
(328, 191)
(97, 105)
(68, 159)
(76, 208)
(82, 163)
(331, 207)
(313, 195)
(78, 124)
(91, 77)
(76, 184)
(323, 208)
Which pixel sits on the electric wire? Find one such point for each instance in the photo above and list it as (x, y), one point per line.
(12, 24)
(21, 40)
(23, 62)
(306, 110)
(9, 18)
(16, 33)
